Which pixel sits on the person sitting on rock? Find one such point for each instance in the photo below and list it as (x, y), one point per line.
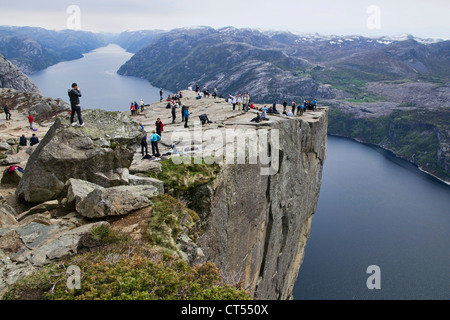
(34, 140)
(257, 118)
(23, 141)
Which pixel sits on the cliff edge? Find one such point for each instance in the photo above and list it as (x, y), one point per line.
(257, 213)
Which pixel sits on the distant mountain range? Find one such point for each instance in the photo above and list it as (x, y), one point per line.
(390, 91)
(33, 49)
(283, 65)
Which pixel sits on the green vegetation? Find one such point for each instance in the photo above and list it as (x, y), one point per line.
(410, 134)
(186, 176)
(168, 218)
(124, 270)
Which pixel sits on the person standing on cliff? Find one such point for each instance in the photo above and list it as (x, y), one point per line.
(31, 120)
(74, 96)
(7, 112)
(144, 146)
(154, 140)
(186, 117)
(159, 126)
(161, 92)
(174, 114)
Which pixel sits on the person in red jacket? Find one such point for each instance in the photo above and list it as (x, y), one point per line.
(31, 121)
(159, 126)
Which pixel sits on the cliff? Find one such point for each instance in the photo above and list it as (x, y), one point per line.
(255, 220)
(254, 212)
(12, 77)
(258, 225)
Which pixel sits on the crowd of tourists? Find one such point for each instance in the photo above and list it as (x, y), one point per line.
(238, 102)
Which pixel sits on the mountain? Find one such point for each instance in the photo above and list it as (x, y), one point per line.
(279, 65)
(133, 41)
(231, 59)
(389, 91)
(12, 77)
(32, 49)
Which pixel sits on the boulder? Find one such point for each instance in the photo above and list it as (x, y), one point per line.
(146, 181)
(94, 201)
(81, 153)
(7, 215)
(40, 208)
(13, 178)
(77, 190)
(5, 146)
(62, 246)
(12, 160)
(115, 201)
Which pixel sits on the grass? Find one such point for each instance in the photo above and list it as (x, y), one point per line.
(186, 176)
(169, 218)
(126, 270)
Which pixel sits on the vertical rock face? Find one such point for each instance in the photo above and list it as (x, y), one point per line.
(258, 224)
(12, 77)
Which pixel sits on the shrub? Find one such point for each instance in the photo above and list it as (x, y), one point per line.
(143, 275)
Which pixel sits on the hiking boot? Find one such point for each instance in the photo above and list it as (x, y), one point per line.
(73, 124)
(82, 125)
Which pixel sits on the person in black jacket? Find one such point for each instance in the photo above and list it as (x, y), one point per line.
(34, 140)
(7, 112)
(144, 146)
(74, 96)
(23, 141)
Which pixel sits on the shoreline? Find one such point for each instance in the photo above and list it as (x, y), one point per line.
(395, 155)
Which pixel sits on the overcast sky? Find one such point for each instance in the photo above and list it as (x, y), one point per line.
(429, 18)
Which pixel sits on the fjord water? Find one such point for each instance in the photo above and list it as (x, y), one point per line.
(374, 209)
(100, 85)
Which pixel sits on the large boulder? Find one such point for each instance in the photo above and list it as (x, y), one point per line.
(94, 201)
(115, 201)
(100, 152)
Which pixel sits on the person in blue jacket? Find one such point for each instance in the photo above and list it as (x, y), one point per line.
(186, 117)
(154, 140)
